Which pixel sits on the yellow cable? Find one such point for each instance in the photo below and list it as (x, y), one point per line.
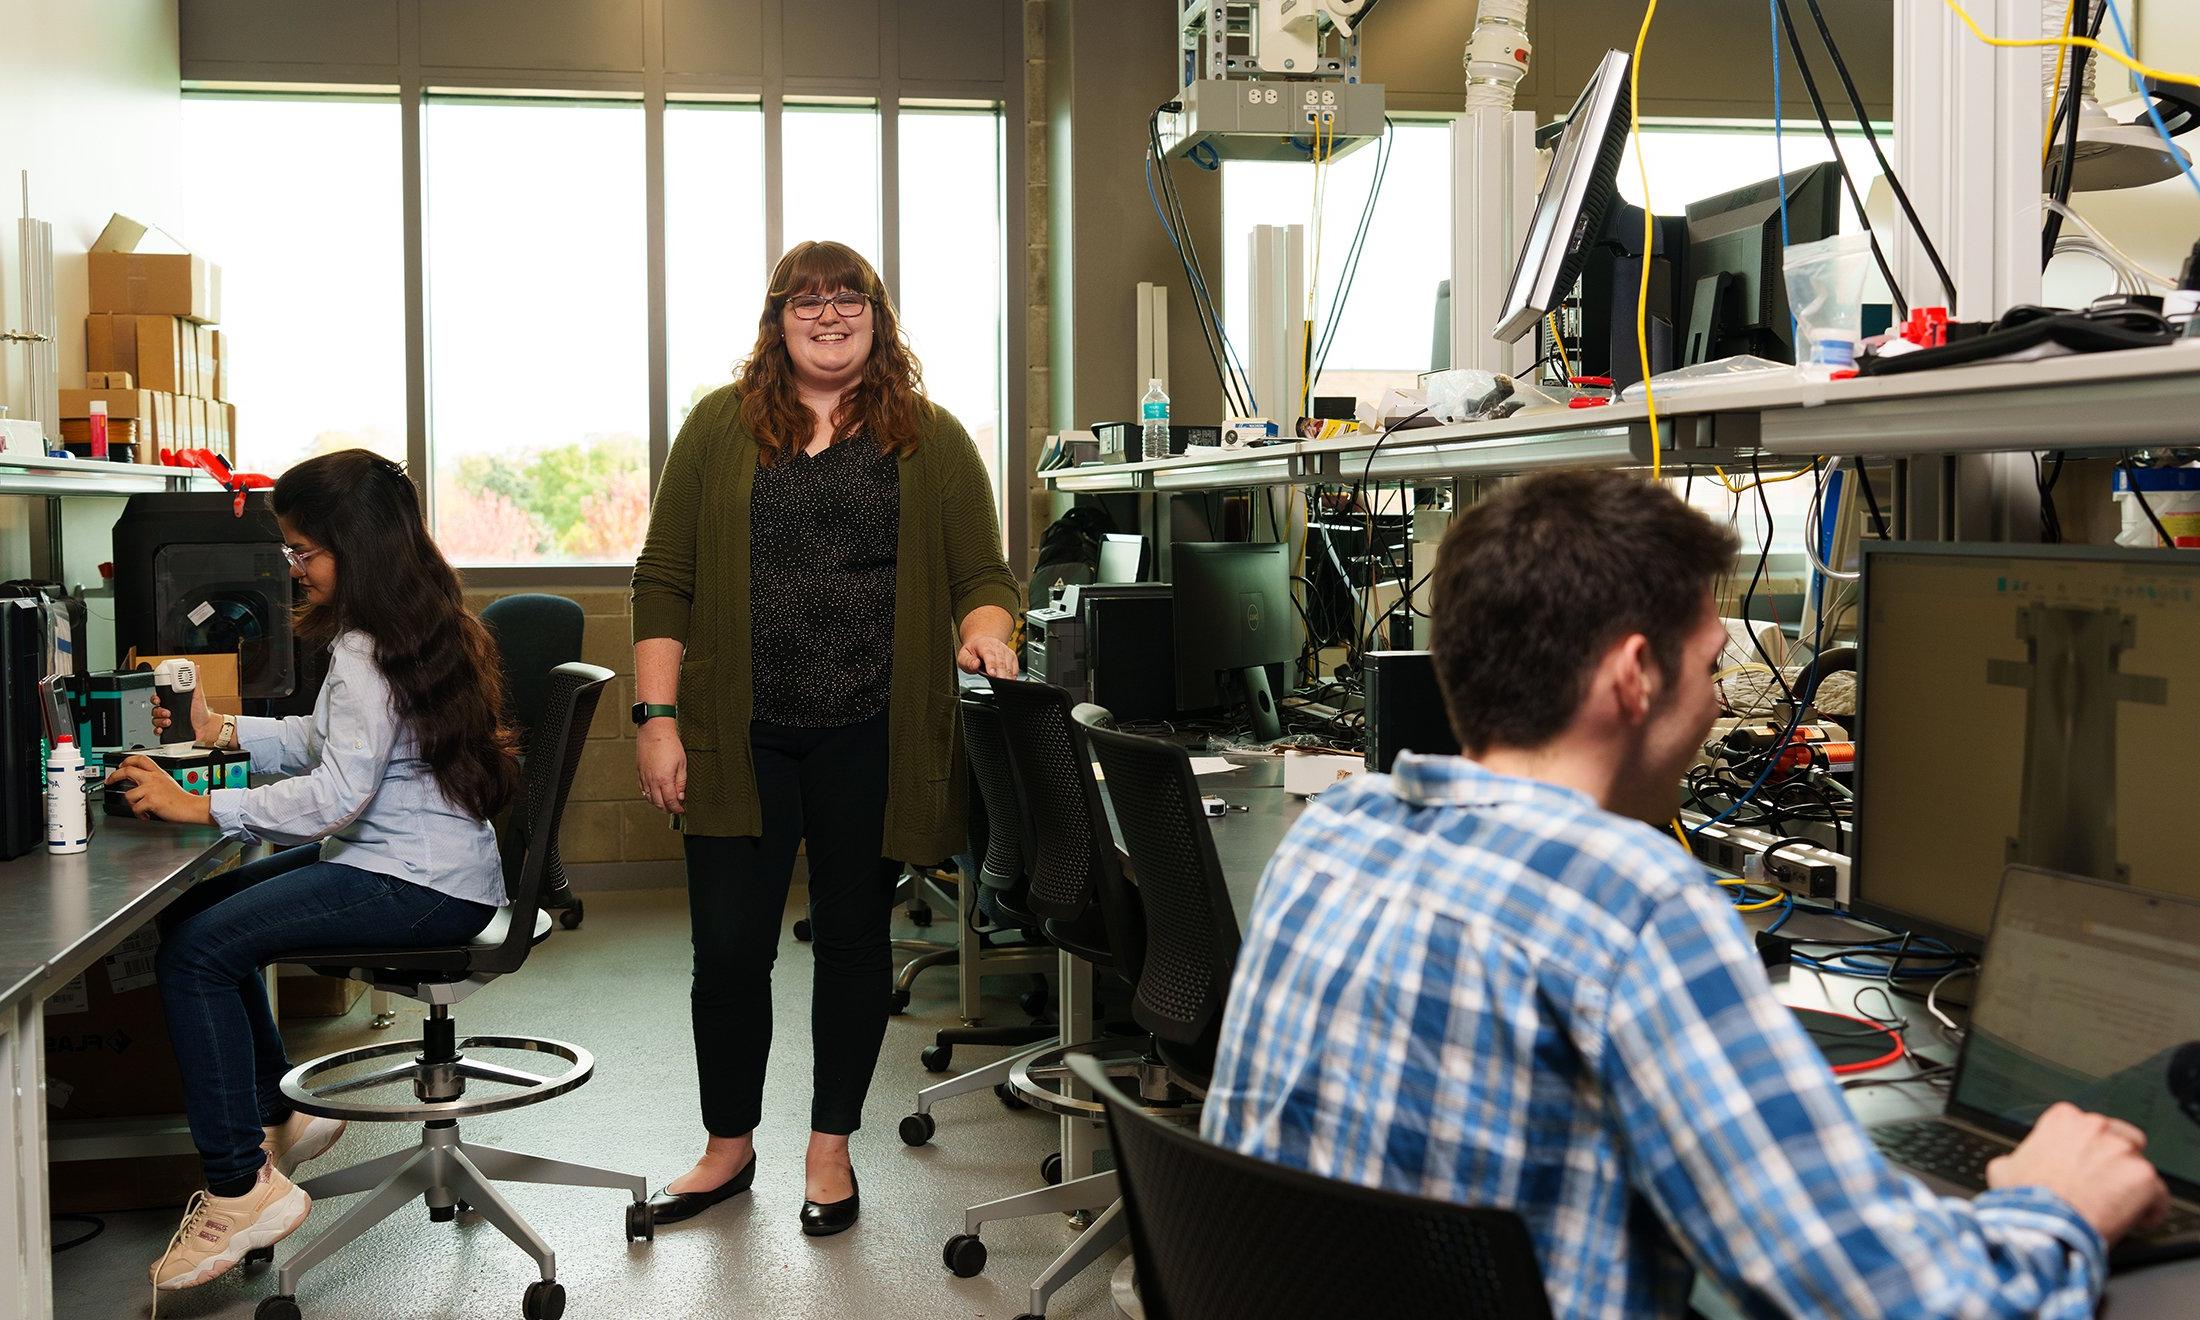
(1758, 905)
(1649, 239)
(1560, 345)
(2067, 43)
(1682, 835)
(2054, 98)
(1314, 276)
(1743, 488)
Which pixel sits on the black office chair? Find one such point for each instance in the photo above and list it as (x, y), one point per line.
(1192, 934)
(448, 1173)
(536, 633)
(1219, 1236)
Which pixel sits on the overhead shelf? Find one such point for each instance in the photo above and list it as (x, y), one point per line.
(36, 474)
(2127, 400)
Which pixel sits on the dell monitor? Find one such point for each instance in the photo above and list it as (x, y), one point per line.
(1232, 621)
(1736, 282)
(1120, 556)
(1570, 212)
(2021, 704)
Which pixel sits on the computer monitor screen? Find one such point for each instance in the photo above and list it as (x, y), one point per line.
(1119, 557)
(2028, 704)
(1233, 618)
(1736, 294)
(1569, 213)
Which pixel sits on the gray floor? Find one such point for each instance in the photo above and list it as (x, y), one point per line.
(618, 986)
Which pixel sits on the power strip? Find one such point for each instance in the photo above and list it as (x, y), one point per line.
(1805, 870)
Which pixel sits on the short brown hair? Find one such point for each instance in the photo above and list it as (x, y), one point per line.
(1535, 583)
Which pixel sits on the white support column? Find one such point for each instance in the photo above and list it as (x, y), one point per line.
(26, 1289)
(1493, 167)
(1278, 316)
(1967, 145)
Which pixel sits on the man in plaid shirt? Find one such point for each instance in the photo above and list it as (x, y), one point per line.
(1496, 981)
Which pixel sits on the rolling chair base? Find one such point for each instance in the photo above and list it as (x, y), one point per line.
(964, 1254)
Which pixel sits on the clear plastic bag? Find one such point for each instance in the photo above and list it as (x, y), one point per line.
(1722, 374)
(1825, 284)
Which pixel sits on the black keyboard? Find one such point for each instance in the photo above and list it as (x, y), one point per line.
(1960, 1156)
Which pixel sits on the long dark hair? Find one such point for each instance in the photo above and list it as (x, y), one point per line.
(394, 585)
(888, 399)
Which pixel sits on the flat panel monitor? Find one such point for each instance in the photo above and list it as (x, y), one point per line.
(2021, 704)
(1569, 212)
(1120, 556)
(1233, 619)
(1736, 294)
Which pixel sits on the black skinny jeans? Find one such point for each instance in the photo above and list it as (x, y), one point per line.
(827, 786)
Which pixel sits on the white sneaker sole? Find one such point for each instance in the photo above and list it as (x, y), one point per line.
(275, 1223)
(319, 1137)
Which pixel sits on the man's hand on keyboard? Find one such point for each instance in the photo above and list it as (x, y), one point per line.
(2096, 1163)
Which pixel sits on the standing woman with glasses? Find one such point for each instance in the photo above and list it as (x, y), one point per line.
(823, 555)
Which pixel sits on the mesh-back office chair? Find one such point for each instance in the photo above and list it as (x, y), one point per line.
(536, 633)
(445, 1171)
(1192, 934)
(1219, 1236)
(1093, 912)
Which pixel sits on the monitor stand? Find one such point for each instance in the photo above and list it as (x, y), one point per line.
(1260, 702)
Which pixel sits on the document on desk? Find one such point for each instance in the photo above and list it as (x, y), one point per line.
(1201, 765)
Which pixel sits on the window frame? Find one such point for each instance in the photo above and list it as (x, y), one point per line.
(654, 95)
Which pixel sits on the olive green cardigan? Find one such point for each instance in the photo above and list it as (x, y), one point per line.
(691, 584)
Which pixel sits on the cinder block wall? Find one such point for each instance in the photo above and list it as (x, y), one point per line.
(606, 819)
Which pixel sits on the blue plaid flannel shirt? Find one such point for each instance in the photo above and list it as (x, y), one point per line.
(1487, 990)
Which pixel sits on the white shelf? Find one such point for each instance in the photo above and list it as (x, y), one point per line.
(36, 474)
(2099, 401)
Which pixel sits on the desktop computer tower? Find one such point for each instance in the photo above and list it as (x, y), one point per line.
(1405, 708)
(1112, 644)
(22, 730)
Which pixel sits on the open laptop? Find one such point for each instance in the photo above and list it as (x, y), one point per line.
(2089, 992)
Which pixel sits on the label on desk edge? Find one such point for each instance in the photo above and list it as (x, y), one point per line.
(130, 966)
(75, 997)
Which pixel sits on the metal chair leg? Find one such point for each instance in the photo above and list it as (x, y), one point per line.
(415, 1176)
(359, 1177)
(1109, 1229)
(977, 1079)
(1089, 1193)
(511, 1166)
(467, 1180)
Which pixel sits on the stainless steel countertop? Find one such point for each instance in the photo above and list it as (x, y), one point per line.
(59, 914)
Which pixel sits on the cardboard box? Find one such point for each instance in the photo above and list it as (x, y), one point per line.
(1308, 773)
(77, 436)
(165, 436)
(146, 1182)
(217, 675)
(123, 277)
(150, 348)
(221, 365)
(187, 349)
(76, 405)
(229, 431)
(301, 994)
(107, 1053)
(109, 380)
(201, 426)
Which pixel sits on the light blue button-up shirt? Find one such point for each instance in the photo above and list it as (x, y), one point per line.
(359, 784)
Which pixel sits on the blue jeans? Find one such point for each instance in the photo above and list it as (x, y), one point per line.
(214, 942)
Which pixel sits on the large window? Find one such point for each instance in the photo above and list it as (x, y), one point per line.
(714, 245)
(951, 261)
(829, 174)
(1688, 164)
(537, 330)
(304, 220)
(1385, 334)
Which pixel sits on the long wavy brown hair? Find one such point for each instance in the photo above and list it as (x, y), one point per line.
(888, 399)
(394, 585)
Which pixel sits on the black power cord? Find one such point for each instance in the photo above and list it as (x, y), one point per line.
(1351, 269)
(1825, 125)
(2066, 119)
(1179, 231)
(2168, 542)
(1894, 181)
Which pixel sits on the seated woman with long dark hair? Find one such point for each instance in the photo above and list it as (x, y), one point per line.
(396, 774)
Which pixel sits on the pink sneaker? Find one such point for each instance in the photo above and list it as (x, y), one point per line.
(217, 1231)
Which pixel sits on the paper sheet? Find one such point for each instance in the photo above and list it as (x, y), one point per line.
(1201, 765)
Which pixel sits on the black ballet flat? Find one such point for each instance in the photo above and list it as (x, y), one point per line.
(826, 1219)
(672, 1207)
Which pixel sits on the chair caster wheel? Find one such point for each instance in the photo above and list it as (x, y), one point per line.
(937, 1058)
(442, 1214)
(1050, 1169)
(543, 1301)
(571, 917)
(276, 1308)
(917, 1130)
(1006, 1094)
(640, 1225)
(964, 1255)
(802, 929)
(1038, 1003)
(920, 916)
(901, 1004)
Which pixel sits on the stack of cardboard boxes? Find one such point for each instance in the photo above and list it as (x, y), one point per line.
(154, 356)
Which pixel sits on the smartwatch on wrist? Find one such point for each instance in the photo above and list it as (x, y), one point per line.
(645, 711)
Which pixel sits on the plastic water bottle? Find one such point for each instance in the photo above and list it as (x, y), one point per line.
(68, 818)
(1153, 420)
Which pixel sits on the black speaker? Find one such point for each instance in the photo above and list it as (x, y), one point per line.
(194, 577)
(22, 729)
(1405, 708)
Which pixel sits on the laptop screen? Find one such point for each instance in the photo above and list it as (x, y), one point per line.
(2090, 993)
